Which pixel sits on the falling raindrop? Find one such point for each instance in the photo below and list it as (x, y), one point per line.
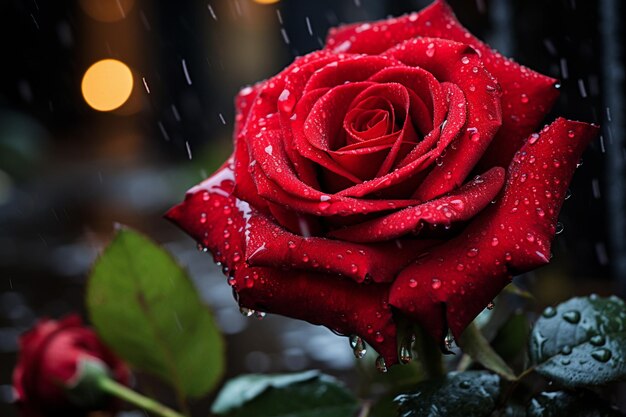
(559, 228)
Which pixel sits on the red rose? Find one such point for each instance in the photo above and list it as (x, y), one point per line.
(48, 362)
(363, 174)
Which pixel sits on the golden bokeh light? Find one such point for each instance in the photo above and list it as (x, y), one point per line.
(107, 84)
(107, 10)
(266, 1)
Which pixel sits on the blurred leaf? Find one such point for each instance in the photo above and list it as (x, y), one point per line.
(144, 306)
(581, 342)
(512, 337)
(306, 394)
(514, 289)
(384, 407)
(459, 394)
(474, 344)
(566, 404)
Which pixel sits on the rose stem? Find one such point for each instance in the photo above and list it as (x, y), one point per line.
(428, 353)
(118, 390)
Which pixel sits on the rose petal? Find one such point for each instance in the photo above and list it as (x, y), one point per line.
(461, 205)
(216, 219)
(527, 96)
(268, 244)
(341, 305)
(457, 64)
(450, 286)
(424, 154)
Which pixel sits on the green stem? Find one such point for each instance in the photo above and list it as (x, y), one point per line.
(428, 353)
(120, 391)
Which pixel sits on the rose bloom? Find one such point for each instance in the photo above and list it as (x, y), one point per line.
(392, 177)
(48, 361)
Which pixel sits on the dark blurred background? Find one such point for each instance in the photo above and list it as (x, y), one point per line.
(68, 171)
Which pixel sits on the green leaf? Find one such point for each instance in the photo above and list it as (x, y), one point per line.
(511, 338)
(566, 404)
(145, 307)
(459, 394)
(581, 342)
(306, 394)
(474, 344)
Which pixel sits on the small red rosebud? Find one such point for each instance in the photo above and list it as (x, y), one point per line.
(49, 363)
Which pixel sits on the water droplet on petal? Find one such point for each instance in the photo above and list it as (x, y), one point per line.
(412, 283)
(566, 350)
(358, 346)
(491, 305)
(533, 138)
(247, 312)
(436, 284)
(430, 50)
(472, 252)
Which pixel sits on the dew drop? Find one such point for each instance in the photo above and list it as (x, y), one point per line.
(358, 346)
(491, 305)
(571, 134)
(524, 98)
(436, 284)
(598, 340)
(494, 241)
(465, 60)
(412, 283)
(533, 138)
(448, 341)
(566, 350)
(571, 316)
(247, 312)
(465, 384)
(381, 366)
(323, 205)
(472, 252)
(549, 312)
(430, 50)
(601, 355)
